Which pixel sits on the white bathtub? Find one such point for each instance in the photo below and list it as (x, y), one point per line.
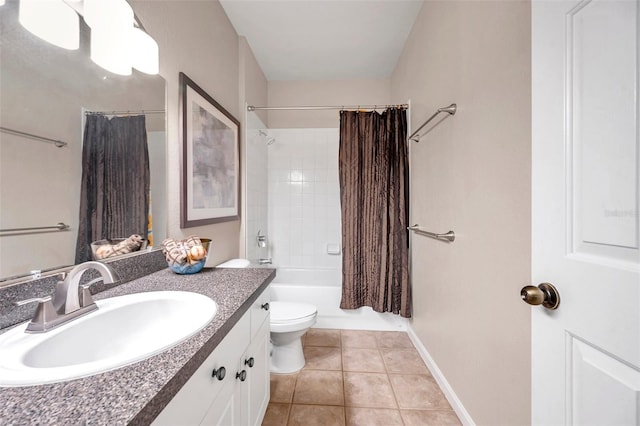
(323, 289)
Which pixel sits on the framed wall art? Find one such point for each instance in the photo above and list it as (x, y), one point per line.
(210, 191)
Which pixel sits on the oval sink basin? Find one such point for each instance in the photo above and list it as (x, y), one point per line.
(124, 330)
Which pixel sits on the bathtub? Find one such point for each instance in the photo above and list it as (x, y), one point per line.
(323, 289)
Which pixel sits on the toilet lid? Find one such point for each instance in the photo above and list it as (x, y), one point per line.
(289, 311)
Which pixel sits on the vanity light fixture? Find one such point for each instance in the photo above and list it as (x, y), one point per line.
(118, 40)
(52, 21)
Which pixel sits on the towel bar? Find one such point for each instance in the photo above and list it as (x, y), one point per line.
(448, 236)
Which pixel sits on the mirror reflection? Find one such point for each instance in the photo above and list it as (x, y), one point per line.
(50, 92)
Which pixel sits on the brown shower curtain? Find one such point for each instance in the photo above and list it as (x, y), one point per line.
(114, 194)
(374, 196)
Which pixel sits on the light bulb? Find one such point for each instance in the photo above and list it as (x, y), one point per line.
(111, 49)
(52, 21)
(145, 52)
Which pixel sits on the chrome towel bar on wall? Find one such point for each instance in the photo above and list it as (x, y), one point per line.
(57, 143)
(449, 236)
(451, 110)
(60, 227)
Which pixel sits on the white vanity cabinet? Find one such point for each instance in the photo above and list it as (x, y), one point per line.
(237, 395)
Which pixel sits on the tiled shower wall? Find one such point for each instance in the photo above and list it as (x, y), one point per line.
(256, 188)
(304, 199)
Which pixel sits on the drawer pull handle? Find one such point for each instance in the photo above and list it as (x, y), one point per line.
(265, 306)
(242, 375)
(219, 373)
(250, 362)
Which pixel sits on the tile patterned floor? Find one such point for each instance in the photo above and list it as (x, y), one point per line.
(358, 378)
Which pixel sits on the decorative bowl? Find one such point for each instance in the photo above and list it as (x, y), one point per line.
(206, 243)
(188, 268)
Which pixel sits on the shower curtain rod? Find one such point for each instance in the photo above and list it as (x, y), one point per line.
(340, 107)
(144, 112)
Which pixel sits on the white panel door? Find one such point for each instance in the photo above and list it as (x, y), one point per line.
(585, 76)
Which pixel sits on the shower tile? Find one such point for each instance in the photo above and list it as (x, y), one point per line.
(429, 418)
(322, 337)
(282, 386)
(308, 187)
(297, 162)
(296, 200)
(418, 391)
(319, 387)
(393, 339)
(322, 358)
(321, 174)
(368, 390)
(296, 211)
(359, 339)
(276, 415)
(373, 417)
(309, 261)
(309, 162)
(316, 415)
(363, 360)
(404, 361)
(321, 188)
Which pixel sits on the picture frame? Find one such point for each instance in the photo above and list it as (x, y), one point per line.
(210, 184)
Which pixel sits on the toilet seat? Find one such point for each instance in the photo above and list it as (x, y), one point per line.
(289, 316)
(288, 312)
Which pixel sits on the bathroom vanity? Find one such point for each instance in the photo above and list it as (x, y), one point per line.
(182, 384)
(231, 387)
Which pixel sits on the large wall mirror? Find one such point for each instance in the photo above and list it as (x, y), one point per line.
(46, 91)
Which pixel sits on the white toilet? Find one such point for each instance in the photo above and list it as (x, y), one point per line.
(289, 321)
(234, 263)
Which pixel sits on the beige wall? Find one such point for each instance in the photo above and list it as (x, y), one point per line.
(326, 92)
(253, 83)
(196, 38)
(471, 174)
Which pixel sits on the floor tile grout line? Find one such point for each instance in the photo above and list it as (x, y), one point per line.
(344, 382)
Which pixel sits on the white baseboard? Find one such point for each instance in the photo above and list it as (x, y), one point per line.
(451, 396)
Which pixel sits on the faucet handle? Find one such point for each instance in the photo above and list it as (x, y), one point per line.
(45, 314)
(85, 296)
(32, 300)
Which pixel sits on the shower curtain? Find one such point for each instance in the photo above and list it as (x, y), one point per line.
(374, 197)
(114, 197)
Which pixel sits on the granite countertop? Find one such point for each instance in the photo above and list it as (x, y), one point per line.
(136, 394)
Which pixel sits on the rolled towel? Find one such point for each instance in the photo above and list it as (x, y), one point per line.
(131, 244)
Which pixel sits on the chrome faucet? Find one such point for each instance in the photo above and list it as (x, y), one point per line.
(67, 304)
(66, 299)
(261, 240)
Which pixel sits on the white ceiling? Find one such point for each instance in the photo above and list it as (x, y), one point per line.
(324, 39)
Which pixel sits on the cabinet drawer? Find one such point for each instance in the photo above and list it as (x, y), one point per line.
(258, 311)
(191, 403)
